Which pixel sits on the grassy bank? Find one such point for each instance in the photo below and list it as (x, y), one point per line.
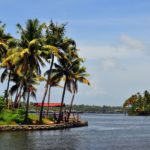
(16, 117)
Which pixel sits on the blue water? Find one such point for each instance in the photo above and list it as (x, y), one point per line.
(105, 132)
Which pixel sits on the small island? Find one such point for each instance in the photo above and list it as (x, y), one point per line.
(138, 104)
(40, 46)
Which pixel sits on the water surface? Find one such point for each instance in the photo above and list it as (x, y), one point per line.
(105, 132)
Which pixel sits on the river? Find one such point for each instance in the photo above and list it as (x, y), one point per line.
(105, 132)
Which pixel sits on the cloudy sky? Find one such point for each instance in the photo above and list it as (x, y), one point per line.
(112, 35)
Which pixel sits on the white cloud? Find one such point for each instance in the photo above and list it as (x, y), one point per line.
(95, 89)
(122, 50)
(116, 69)
(131, 42)
(109, 64)
(114, 74)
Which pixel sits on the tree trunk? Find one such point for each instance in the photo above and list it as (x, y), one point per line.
(71, 104)
(28, 97)
(18, 97)
(49, 96)
(46, 89)
(27, 108)
(62, 101)
(7, 94)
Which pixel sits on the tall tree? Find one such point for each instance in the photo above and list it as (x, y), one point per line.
(53, 40)
(63, 69)
(31, 42)
(79, 75)
(7, 43)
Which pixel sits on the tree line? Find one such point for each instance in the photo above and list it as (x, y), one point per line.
(96, 109)
(83, 108)
(22, 61)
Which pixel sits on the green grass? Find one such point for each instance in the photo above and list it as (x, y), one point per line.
(14, 117)
(11, 117)
(35, 119)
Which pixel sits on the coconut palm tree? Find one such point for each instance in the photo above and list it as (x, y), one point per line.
(31, 43)
(64, 70)
(52, 52)
(8, 67)
(53, 82)
(26, 62)
(53, 40)
(4, 37)
(6, 41)
(79, 75)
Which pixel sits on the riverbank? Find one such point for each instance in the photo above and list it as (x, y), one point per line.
(43, 127)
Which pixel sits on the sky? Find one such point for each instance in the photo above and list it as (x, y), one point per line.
(112, 35)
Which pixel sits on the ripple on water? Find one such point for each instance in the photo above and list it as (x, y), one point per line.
(105, 132)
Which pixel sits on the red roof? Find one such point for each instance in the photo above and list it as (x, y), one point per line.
(48, 105)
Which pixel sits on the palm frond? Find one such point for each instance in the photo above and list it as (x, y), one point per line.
(4, 75)
(13, 89)
(33, 95)
(84, 80)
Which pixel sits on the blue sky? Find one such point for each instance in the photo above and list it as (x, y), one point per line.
(113, 36)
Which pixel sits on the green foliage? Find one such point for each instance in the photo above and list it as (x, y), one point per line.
(138, 104)
(9, 116)
(96, 109)
(2, 103)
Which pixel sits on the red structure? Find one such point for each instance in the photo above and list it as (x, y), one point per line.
(49, 104)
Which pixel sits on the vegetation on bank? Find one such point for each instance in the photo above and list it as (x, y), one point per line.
(138, 104)
(16, 116)
(96, 109)
(22, 61)
(82, 108)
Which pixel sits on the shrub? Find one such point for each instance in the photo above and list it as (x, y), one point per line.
(10, 116)
(2, 103)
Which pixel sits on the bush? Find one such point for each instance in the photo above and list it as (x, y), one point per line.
(10, 116)
(19, 116)
(2, 103)
(20, 111)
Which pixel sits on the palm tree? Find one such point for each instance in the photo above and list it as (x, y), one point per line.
(64, 69)
(5, 45)
(21, 87)
(26, 61)
(79, 75)
(4, 37)
(54, 38)
(52, 50)
(8, 68)
(31, 42)
(53, 82)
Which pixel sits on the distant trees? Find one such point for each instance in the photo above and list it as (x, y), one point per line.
(138, 104)
(96, 109)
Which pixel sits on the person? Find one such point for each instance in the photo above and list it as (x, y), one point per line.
(65, 116)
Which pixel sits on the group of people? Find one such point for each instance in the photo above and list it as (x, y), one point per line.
(64, 116)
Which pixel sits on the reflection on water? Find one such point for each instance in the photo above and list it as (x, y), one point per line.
(105, 132)
(38, 140)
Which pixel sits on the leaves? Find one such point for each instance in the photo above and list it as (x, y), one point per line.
(4, 75)
(13, 89)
